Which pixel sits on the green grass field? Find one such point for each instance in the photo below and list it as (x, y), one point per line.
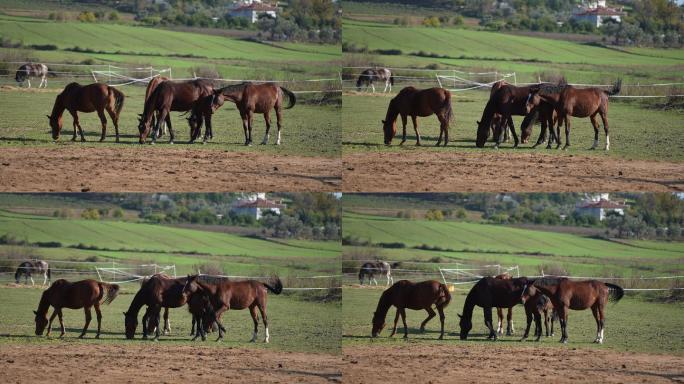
(464, 242)
(631, 130)
(527, 56)
(633, 324)
(295, 324)
(308, 129)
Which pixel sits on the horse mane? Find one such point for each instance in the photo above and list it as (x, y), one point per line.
(235, 87)
(547, 280)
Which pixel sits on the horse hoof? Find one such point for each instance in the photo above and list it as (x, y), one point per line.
(97, 336)
(171, 142)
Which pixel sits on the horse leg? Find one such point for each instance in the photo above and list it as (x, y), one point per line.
(88, 317)
(403, 125)
(509, 123)
(499, 315)
(167, 117)
(441, 132)
(208, 129)
(115, 120)
(264, 319)
(386, 84)
(537, 326)
(54, 313)
(255, 319)
(103, 121)
(599, 327)
(567, 132)
(167, 323)
(61, 322)
(563, 316)
(441, 321)
(546, 322)
(431, 314)
(604, 119)
(28, 79)
(267, 119)
(98, 315)
(145, 319)
(279, 119)
(594, 124)
(509, 322)
(32, 282)
(414, 119)
(403, 320)
(396, 320)
(602, 322)
(528, 316)
(250, 121)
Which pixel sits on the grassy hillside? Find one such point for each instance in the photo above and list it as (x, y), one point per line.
(522, 54)
(491, 244)
(631, 129)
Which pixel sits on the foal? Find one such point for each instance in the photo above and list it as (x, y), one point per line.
(203, 314)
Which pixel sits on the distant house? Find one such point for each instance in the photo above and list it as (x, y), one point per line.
(252, 10)
(257, 207)
(597, 15)
(600, 208)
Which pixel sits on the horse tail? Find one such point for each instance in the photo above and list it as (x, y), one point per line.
(291, 97)
(444, 296)
(118, 99)
(277, 286)
(615, 292)
(616, 88)
(112, 292)
(392, 79)
(16, 274)
(49, 273)
(449, 114)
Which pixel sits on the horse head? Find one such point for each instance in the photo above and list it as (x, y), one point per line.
(217, 100)
(482, 133)
(390, 129)
(529, 290)
(143, 127)
(378, 325)
(533, 100)
(41, 323)
(55, 125)
(466, 325)
(131, 322)
(191, 285)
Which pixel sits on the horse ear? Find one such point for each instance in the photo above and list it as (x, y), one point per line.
(34, 312)
(383, 121)
(48, 116)
(125, 314)
(478, 122)
(459, 315)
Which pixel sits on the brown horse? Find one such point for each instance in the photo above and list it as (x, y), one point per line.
(569, 101)
(81, 294)
(170, 96)
(535, 306)
(151, 86)
(159, 291)
(505, 101)
(566, 294)
(487, 293)
(499, 312)
(203, 314)
(258, 98)
(202, 112)
(406, 294)
(87, 98)
(416, 103)
(238, 295)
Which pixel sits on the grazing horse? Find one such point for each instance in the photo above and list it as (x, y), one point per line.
(370, 269)
(158, 291)
(418, 102)
(252, 98)
(569, 101)
(535, 306)
(371, 75)
(202, 112)
(505, 101)
(406, 294)
(87, 98)
(81, 294)
(151, 86)
(566, 294)
(499, 312)
(487, 293)
(170, 96)
(29, 267)
(28, 70)
(203, 314)
(238, 295)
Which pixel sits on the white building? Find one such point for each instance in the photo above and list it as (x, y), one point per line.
(253, 9)
(597, 15)
(600, 207)
(258, 206)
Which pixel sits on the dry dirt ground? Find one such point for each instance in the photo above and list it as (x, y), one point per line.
(487, 364)
(82, 169)
(88, 363)
(505, 172)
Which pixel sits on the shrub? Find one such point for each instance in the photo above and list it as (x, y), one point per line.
(86, 17)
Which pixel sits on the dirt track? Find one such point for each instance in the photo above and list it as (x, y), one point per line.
(154, 363)
(505, 172)
(490, 364)
(141, 169)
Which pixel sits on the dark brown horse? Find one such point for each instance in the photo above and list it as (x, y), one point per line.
(490, 293)
(566, 294)
(416, 103)
(87, 98)
(202, 112)
(81, 294)
(535, 307)
(416, 296)
(203, 314)
(569, 101)
(151, 86)
(238, 295)
(505, 101)
(259, 98)
(158, 291)
(170, 96)
(499, 312)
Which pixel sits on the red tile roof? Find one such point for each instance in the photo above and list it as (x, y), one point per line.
(256, 7)
(600, 12)
(606, 204)
(259, 203)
